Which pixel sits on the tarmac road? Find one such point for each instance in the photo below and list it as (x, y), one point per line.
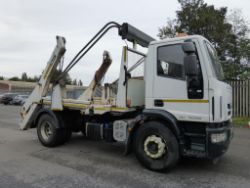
(24, 162)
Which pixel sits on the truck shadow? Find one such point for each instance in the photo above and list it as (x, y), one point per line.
(116, 151)
(106, 160)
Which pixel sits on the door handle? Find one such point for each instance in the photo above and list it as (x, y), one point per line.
(158, 103)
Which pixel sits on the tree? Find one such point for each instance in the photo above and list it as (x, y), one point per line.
(1, 78)
(239, 24)
(240, 45)
(238, 57)
(227, 34)
(67, 79)
(36, 78)
(24, 77)
(80, 83)
(74, 82)
(169, 30)
(15, 78)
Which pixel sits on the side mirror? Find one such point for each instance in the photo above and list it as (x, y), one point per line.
(190, 65)
(188, 47)
(190, 60)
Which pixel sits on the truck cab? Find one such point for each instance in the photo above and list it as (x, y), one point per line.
(200, 101)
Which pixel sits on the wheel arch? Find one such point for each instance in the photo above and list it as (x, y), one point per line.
(153, 115)
(167, 118)
(45, 111)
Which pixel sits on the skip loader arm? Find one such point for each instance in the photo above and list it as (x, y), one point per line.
(41, 89)
(126, 31)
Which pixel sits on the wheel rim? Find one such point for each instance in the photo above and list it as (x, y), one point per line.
(155, 146)
(46, 130)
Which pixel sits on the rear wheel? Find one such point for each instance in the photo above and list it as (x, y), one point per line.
(52, 132)
(156, 147)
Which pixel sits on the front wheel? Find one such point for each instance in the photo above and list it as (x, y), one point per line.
(156, 147)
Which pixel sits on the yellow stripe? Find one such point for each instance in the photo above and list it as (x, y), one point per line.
(87, 106)
(111, 109)
(119, 108)
(46, 102)
(57, 109)
(101, 109)
(75, 105)
(185, 101)
(67, 105)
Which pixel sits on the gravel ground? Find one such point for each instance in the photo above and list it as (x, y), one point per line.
(24, 162)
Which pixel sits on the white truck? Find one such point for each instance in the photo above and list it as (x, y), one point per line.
(181, 106)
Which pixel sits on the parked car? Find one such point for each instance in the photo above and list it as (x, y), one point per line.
(7, 98)
(20, 99)
(1, 97)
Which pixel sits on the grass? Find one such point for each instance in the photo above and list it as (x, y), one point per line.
(241, 121)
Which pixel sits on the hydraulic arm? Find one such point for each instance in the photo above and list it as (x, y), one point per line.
(41, 89)
(126, 31)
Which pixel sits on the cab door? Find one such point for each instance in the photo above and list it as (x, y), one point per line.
(186, 98)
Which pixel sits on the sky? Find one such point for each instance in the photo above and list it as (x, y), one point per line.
(28, 29)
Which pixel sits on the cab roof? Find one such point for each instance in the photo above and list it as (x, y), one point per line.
(199, 37)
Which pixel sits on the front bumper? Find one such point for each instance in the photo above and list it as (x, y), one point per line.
(214, 150)
(200, 145)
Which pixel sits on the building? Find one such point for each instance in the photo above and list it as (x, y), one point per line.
(27, 87)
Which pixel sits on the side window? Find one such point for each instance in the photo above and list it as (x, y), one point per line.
(170, 61)
(215, 62)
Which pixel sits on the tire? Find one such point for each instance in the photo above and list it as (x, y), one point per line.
(156, 147)
(67, 135)
(64, 123)
(48, 132)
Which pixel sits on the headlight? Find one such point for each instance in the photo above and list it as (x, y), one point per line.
(218, 137)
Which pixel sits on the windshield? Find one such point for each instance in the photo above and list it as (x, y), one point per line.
(215, 62)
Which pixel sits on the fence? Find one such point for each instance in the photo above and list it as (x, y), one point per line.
(241, 98)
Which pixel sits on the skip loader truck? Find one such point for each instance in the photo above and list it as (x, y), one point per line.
(179, 107)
